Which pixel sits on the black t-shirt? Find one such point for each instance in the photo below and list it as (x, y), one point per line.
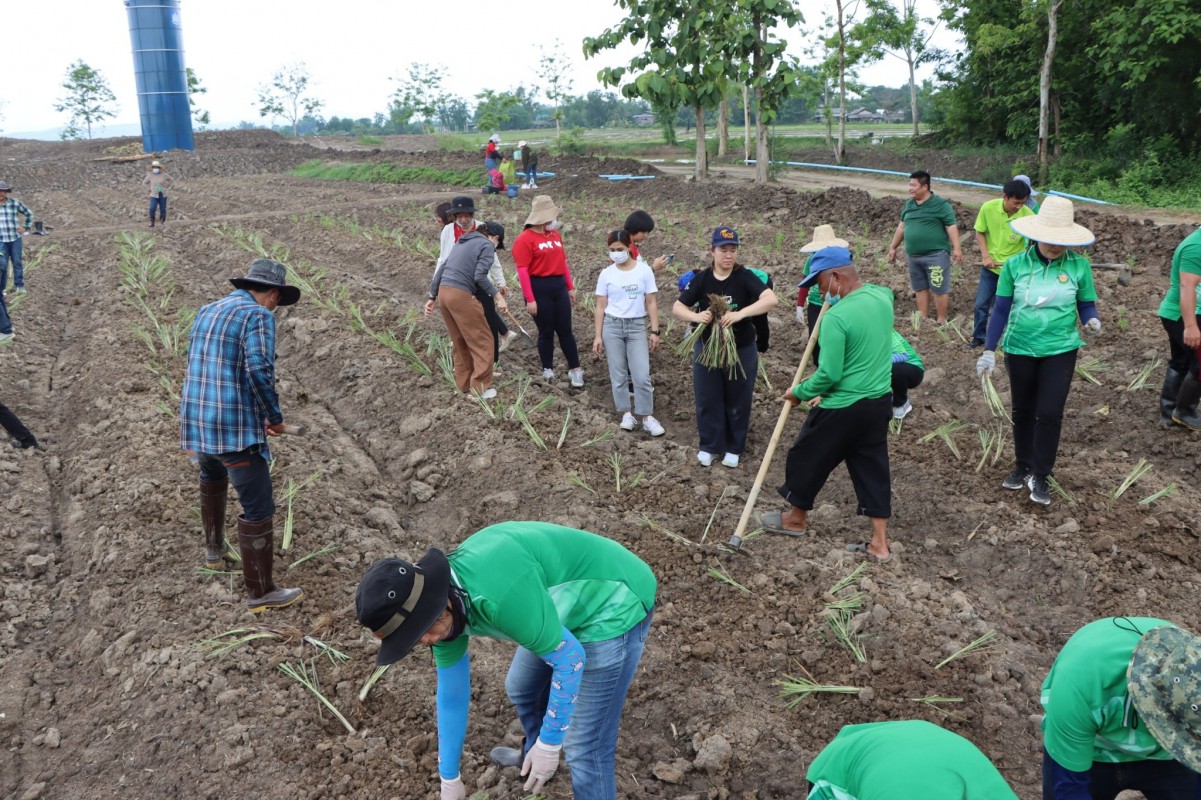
(740, 290)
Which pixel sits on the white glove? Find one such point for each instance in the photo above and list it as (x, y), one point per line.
(1093, 326)
(453, 789)
(540, 764)
(800, 313)
(986, 363)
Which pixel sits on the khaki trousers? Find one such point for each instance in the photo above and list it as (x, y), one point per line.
(471, 336)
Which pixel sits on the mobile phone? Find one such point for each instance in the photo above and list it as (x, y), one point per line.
(671, 258)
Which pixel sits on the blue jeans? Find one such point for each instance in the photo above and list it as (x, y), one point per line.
(628, 350)
(6, 323)
(12, 250)
(723, 404)
(250, 475)
(159, 202)
(1158, 780)
(590, 746)
(489, 163)
(986, 292)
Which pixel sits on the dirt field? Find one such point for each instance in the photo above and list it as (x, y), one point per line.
(107, 692)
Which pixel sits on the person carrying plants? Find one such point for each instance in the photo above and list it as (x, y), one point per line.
(158, 180)
(1180, 313)
(577, 605)
(728, 295)
(903, 759)
(931, 239)
(1121, 712)
(547, 287)
(228, 409)
(1040, 294)
(626, 298)
(809, 304)
(529, 164)
(907, 373)
(454, 288)
(996, 242)
(639, 225)
(850, 395)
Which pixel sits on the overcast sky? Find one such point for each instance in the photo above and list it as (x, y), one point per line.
(352, 49)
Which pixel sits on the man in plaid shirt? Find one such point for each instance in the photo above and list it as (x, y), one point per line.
(11, 231)
(228, 409)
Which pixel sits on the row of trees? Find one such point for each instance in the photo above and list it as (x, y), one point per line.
(89, 100)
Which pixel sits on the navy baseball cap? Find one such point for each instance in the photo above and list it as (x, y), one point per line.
(725, 235)
(824, 259)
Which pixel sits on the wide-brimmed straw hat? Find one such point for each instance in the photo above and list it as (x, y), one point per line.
(1054, 224)
(1165, 683)
(544, 211)
(400, 601)
(823, 236)
(267, 273)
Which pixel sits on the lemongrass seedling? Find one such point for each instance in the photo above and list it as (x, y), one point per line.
(376, 674)
(945, 432)
(1151, 499)
(984, 643)
(300, 673)
(1058, 488)
(988, 442)
(563, 432)
(935, 702)
(848, 579)
(1133, 477)
(330, 652)
(636, 481)
(529, 429)
(762, 375)
(713, 514)
(329, 548)
(800, 687)
(993, 398)
(720, 573)
(224, 643)
(895, 426)
(576, 480)
(1144, 375)
(603, 436)
(688, 343)
(839, 622)
(488, 410)
(1089, 368)
(655, 526)
(915, 319)
(953, 325)
(852, 602)
(615, 465)
(543, 404)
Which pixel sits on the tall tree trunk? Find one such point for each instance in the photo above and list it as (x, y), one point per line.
(723, 127)
(702, 155)
(746, 123)
(762, 151)
(1055, 111)
(840, 152)
(1044, 90)
(826, 113)
(912, 90)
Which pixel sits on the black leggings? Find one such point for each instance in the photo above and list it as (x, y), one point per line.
(1183, 358)
(554, 317)
(497, 324)
(1039, 387)
(811, 312)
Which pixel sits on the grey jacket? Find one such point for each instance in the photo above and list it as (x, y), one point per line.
(467, 266)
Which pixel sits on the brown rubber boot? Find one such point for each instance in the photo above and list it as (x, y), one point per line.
(256, 542)
(212, 519)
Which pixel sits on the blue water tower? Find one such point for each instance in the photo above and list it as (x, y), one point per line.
(157, 36)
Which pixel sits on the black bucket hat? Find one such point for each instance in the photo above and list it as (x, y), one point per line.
(462, 205)
(266, 273)
(400, 601)
(494, 229)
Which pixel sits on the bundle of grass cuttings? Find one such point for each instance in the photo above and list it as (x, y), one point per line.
(719, 350)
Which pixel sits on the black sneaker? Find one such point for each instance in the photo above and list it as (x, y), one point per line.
(1039, 491)
(974, 343)
(1016, 480)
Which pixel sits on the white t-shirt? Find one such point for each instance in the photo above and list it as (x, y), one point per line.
(626, 289)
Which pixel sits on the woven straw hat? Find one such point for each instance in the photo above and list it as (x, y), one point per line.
(1054, 224)
(544, 211)
(823, 236)
(1165, 683)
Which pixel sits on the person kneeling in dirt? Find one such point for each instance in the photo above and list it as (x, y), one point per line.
(229, 407)
(579, 607)
(852, 390)
(903, 759)
(1121, 712)
(907, 373)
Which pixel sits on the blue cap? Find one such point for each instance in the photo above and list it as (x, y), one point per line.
(824, 259)
(724, 234)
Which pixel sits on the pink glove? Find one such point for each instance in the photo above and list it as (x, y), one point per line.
(540, 764)
(453, 789)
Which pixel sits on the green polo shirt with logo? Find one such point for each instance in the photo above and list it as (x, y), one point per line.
(993, 221)
(1089, 714)
(856, 341)
(1187, 258)
(814, 298)
(1042, 321)
(926, 225)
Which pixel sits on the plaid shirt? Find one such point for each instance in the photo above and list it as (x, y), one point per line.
(229, 390)
(9, 211)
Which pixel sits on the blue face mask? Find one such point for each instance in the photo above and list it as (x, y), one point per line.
(832, 298)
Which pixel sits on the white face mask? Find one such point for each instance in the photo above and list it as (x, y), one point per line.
(156, 170)
(619, 256)
(553, 225)
(468, 225)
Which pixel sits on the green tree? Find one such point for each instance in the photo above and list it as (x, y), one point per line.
(897, 29)
(453, 113)
(88, 100)
(848, 47)
(419, 94)
(494, 109)
(553, 69)
(195, 89)
(287, 96)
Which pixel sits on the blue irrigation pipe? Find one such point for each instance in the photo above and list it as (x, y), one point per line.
(809, 165)
(628, 177)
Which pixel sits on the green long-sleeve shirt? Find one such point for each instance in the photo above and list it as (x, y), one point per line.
(855, 337)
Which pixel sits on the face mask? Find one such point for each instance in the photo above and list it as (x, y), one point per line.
(832, 298)
(156, 170)
(469, 225)
(619, 256)
(553, 225)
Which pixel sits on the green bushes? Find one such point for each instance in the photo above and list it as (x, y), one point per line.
(390, 173)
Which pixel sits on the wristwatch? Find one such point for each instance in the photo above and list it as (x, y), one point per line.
(654, 332)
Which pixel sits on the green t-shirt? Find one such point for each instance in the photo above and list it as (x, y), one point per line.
(526, 581)
(814, 297)
(901, 345)
(1001, 239)
(1043, 319)
(1187, 258)
(905, 759)
(1089, 714)
(926, 225)
(855, 336)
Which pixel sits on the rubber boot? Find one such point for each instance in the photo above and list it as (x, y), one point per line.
(1185, 412)
(1167, 397)
(212, 519)
(256, 542)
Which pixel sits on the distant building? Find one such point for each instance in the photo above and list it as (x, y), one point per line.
(865, 115)
(895, 116)
(643, 120)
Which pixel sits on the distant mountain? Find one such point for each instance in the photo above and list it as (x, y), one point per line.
(103, 131)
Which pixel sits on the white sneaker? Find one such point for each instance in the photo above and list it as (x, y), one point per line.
(730, 461)
(7, 337)
(507, 340)
(652, 426)
(900, 412)
(628, 422)
(548, 374)
(488, 394)
(706, 459)
(20, 290)
(577, 377)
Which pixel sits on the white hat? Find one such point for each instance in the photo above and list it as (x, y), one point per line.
(1054, 224)
(1024, 179)
(496, 138)
(823, 236)
(522, 143)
